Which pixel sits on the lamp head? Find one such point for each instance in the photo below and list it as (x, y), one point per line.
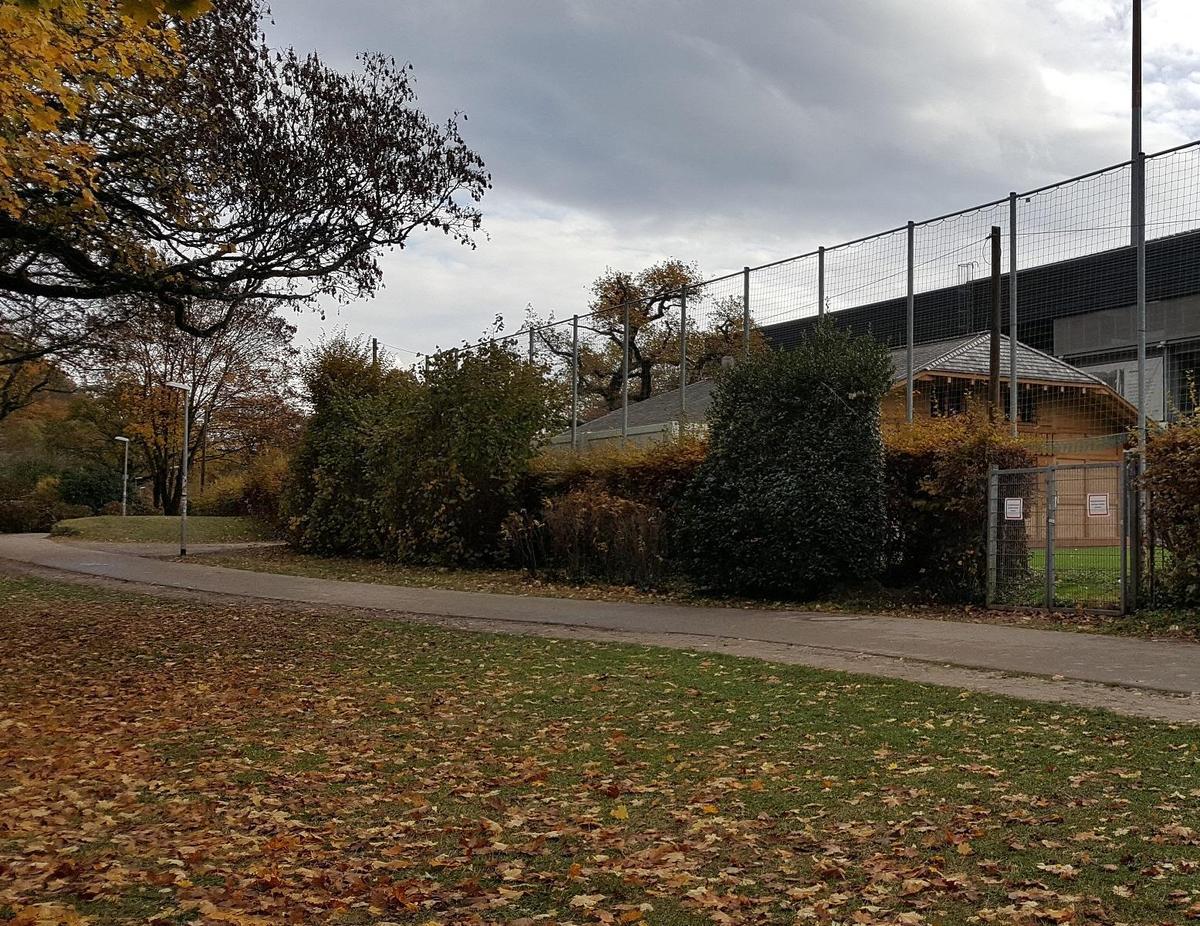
(123, 440)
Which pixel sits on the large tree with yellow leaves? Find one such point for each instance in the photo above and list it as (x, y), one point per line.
(154, 161)
(56, 59)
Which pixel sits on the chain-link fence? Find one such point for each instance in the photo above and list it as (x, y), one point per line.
(1099, 325)
(1058, 537)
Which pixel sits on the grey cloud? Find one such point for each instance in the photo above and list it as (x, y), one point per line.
(741, 124)
(652, 112)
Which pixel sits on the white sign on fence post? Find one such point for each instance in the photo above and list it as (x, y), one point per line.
(1098, 505)
(1014, 509)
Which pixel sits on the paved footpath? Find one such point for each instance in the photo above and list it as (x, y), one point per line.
(1160, 679)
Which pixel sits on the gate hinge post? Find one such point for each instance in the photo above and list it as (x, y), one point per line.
(1051, 515)
(993, 503)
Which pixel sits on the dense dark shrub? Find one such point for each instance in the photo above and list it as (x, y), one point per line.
(36, 514)
(416, 470)
(789, 500)
(19, 477)
(1173, 480)
(937, 475)
(93, 486)
(22, 516)
(330, 503)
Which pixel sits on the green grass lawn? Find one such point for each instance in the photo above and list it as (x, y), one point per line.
(1088, 576)
(161, 529)
(160, 763)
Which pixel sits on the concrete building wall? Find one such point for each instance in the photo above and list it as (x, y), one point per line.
(1104, 343)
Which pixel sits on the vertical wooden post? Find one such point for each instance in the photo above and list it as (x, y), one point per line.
(683, 371)
(575, 383)
(909, 326)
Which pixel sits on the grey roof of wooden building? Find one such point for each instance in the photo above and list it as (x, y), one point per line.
(963, 356)
(971, 356)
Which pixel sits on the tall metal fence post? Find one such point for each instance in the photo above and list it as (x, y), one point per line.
(1139, 192)
(995, 396)
(1136, 530)
(1013, 392)
(683, 371)
(821, 282)
(575, 383)
(1141, 511)
(909, 326)
(1135, 108)
(745, 311)
(625, 380)
(1123, 531)
(1051, 516)
(992, 531)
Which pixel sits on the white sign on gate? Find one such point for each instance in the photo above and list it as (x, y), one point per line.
(1098, 505)
(1014, 509)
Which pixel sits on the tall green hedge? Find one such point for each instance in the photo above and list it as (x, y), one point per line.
(414, 469)
(1173, 480)
(329, 504)
(790, 500)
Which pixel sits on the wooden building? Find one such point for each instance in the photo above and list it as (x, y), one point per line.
(1067, 415)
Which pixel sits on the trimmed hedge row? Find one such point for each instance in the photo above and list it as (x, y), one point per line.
(795, 493)
(935, 477)
(604, 515)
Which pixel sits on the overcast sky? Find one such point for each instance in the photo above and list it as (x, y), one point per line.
(619, 132)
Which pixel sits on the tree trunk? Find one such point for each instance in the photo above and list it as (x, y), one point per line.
(645, 377)
(173, 496)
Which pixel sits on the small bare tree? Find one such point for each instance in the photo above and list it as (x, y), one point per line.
(653, 298)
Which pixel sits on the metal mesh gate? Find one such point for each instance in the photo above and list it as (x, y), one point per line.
(1058, 537)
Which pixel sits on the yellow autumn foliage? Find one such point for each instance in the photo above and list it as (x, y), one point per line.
(56, 56)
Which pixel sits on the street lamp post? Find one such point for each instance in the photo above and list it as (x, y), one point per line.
(187, 403)
(124, 474)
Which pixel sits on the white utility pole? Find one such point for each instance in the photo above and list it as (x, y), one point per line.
(124, 474)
